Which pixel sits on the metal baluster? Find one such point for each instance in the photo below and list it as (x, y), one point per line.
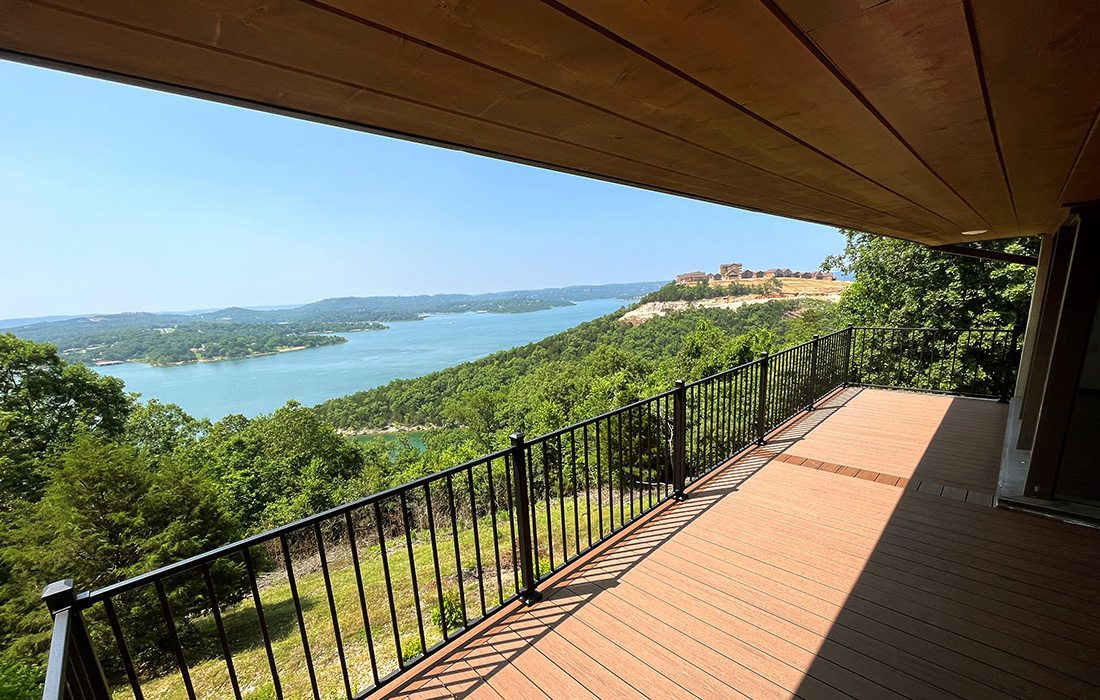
(587, 485)
(301, 619)
(458, 554)
(128, 663)
(619, 467)
(215, 609)
(546, 501)
(406, 520)
(496, 539)
(250, 570)
(477, 541)
(576, 507)
(332, 608)
(389, 583)
(561, 496)
(599, 482)
(435, 562)
(508, 467)
(679, 439)
(761, 410)
(362, 595)
(173, 637)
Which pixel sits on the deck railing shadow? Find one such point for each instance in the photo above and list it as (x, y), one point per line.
(804, 424)
(479, 657)
(956, 597)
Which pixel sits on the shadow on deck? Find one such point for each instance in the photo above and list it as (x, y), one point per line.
(852, 556)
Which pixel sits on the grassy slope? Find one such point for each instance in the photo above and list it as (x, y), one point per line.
(208, 671)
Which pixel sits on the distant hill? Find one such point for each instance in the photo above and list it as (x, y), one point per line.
(17, 322)
(162, 338)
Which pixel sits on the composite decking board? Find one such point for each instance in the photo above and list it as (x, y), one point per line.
(633, 630)
(715, 650)
(640, 598)
(941, 523)
(1081, 586)
(823, 601)
(816, 567)
(1007, 665)
(689, 563)
(770, 630)
(776, 579)
(879, 643)
(816, 577)
(742, 680)
(910, 535)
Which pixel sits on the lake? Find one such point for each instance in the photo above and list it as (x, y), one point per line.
(406, 349)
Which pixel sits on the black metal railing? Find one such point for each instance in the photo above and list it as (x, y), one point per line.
(396, 575)
(966, 361)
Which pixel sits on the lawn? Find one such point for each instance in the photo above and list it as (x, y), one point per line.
(208, 669)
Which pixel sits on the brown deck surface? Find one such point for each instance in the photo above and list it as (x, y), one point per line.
(775, 580)
(923, 437)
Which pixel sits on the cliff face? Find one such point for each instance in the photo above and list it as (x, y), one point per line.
(826, 290)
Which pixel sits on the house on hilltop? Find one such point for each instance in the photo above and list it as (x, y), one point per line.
(732, 272)
(729, 271)
(693, 277)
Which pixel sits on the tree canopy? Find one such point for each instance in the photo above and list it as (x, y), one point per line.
(904, 284)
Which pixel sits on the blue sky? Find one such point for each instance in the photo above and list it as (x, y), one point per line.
(115, 198)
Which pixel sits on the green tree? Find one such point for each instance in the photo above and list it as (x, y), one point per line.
(158, 429)
(904, 284)
(479, 412)
(277, 468)
(44, 401)
(106, 515)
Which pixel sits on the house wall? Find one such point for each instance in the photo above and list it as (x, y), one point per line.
(1064, 387)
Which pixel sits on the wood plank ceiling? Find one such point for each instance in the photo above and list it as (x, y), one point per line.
(912, 118)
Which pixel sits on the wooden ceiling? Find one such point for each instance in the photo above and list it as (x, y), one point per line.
(912, 118)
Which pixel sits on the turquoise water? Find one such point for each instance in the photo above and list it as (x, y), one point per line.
(407, 349)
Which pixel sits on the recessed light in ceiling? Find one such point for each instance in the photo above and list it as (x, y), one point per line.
(973, 233)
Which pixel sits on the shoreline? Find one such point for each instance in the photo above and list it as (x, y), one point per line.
(388, 430)
(181, 363)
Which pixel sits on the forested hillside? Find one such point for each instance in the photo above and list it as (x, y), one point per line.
(660, 351)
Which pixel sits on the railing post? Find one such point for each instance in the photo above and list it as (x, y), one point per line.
(849, 336)
(812, 388)
(762, 403)
(529, 595)
(76, 668)
(679, 440)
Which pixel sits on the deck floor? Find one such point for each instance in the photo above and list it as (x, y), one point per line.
(777, 579)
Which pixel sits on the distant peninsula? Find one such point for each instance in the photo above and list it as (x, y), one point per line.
(237, 333)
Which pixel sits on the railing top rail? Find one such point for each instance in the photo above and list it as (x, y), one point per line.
(750, 363)
(939, 330)
(723, 373)
(603, 416)
(84, 600)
